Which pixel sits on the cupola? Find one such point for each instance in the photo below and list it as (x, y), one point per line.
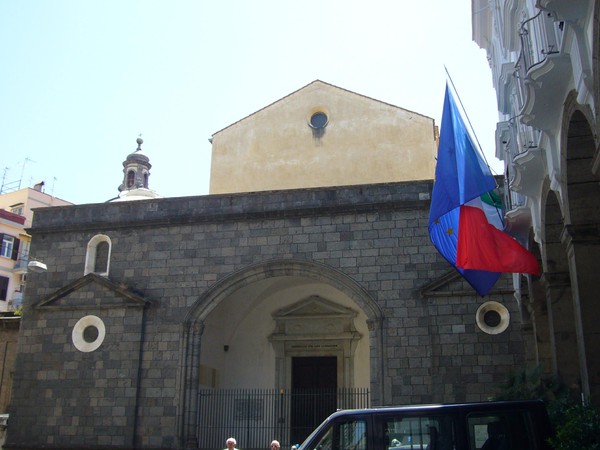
(136, 172)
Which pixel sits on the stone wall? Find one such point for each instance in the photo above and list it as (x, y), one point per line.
(165, 254)
(9, 335)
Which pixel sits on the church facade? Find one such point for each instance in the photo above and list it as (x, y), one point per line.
(151, 308)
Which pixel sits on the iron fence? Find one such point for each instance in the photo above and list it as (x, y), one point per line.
(254, 417)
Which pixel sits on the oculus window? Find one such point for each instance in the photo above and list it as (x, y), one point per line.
(319, 120)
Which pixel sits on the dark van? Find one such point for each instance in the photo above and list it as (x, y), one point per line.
(514, 425)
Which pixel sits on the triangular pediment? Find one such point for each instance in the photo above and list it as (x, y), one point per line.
(452, 284)
(93, 291)
(313, 306)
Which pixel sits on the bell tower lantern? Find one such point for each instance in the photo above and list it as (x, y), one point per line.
(136, 169)
(136, 172)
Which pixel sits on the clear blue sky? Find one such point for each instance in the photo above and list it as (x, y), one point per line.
(81, 79)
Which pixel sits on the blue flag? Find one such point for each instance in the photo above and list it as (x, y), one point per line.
(465, 223)
(460, 176)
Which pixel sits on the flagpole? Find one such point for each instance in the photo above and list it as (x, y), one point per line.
(464, 111)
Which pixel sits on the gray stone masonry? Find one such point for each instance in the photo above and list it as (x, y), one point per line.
(169, 252)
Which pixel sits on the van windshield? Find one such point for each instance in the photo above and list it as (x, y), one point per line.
(343, 435)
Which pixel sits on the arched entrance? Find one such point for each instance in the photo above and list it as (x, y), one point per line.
(581, 237)
(571, 251)
(255, 328)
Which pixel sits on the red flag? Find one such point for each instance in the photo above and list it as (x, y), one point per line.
(482, 246)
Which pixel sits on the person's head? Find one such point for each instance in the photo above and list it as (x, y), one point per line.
(275, 445)
(231, 443)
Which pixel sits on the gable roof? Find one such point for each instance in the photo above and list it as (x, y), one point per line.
(315, 82)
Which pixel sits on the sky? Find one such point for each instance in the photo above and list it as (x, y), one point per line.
(80, 80)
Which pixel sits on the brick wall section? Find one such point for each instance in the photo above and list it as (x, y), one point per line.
(172, 250)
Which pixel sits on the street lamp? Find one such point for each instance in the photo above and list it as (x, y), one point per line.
(37, 266)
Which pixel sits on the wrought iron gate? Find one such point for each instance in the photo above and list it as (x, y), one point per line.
(254, 417)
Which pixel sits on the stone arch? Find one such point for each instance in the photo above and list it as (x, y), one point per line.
(275, 268)
(571, 248)
(195, 323)
(579, 151)
(581, 237)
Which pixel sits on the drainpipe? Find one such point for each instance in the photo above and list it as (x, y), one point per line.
(135, 442)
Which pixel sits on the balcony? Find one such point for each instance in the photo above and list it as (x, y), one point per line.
(544, 72)
(16, 301)
(21, 264)
(518, 222)
(528, 169)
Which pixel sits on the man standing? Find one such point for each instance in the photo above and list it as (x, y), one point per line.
(231, 443)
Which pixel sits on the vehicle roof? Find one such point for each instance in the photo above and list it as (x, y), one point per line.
(480, 406)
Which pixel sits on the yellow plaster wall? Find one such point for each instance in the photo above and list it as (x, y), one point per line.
(366, 141)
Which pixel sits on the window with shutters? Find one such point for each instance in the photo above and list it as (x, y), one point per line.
(10, 246)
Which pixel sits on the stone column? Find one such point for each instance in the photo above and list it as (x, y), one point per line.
(563, 339)
(583, 252)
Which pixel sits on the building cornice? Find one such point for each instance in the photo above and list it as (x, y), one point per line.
(238, 206)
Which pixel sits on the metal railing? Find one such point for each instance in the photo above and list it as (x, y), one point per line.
(254, 417)
(541, 36)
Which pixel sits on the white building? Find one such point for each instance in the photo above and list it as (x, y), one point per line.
(544, 60)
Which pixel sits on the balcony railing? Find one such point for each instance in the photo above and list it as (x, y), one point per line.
(540, 36)
(21, 264)
(254, 417)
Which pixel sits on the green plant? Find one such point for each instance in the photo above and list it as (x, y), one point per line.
(532, 383)
(578, 427)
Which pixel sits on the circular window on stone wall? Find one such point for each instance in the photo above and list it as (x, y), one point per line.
(492, 317)
(88, 333)
(319, 120)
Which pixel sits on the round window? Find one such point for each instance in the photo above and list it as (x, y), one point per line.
(492, 317)
(88, 333)
(318, 120)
